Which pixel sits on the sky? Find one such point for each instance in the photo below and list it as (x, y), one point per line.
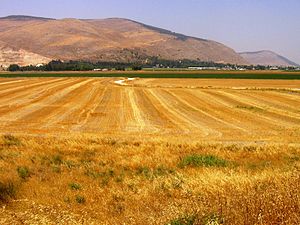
(244, 25)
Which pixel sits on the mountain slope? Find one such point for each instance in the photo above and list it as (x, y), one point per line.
(112, 39)
(266, 58)
(22, 57)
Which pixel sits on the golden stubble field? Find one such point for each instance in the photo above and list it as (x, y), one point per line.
(149, 151)
(232, 110)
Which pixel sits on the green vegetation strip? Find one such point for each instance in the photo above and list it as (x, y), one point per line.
(271, 76)
(202, 161)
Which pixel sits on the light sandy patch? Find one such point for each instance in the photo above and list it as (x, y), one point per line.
(123, 81)
(120, 82)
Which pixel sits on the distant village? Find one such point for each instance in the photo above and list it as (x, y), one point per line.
(244, 68)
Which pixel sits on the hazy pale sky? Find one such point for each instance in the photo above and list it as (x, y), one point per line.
(244, 25)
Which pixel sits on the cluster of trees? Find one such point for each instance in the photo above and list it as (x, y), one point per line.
(153, 62)
(57, 65)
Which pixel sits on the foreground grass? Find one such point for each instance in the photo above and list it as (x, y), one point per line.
(109, 181)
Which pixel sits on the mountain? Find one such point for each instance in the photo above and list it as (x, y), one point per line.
(266, 58)
(26, 39)
(10, 55)
(24, 18)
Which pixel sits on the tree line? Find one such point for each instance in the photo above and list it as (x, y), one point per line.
(153, 62)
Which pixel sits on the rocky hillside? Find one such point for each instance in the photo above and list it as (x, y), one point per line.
(9, 55)
(41, 39)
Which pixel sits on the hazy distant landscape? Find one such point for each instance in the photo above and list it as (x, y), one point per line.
(111, 40)
(119, 121)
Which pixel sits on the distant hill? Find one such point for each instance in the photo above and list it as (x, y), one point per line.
(24, 18)
(39, 39)
(266, 58)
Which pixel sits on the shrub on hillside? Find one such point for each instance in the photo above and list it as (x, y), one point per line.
(8, 190)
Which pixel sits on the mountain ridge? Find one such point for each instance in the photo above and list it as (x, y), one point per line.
(24, 17)
(113, 39)
(266, 58)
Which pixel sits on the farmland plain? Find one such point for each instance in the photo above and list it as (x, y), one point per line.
(207, 109)
(149, 151)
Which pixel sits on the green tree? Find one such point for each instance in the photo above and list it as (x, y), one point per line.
(136, 67)
(14, 67)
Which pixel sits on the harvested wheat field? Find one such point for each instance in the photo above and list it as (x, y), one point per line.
(202, 109)
(149, 151)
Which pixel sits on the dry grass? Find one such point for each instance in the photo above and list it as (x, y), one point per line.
(100, 180)
(87, 151)
(184, 108)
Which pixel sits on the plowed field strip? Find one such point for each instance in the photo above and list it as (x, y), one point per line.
(156, 117)
(138, 121)
(27, 96)
(54, 112)
(19, 89)
(217, 105)
(176, 124)
(113, 112)
(81, 114)
(267, 111)
(181, 122)
(5, 80)
(93, 123)
(288, 95)
(26, 83)
(183, 114)
(290, 98)
(33, 96)
(10, 81)
(107, 115)
(216, 83)
(18, 83)
(90, 113)
(277, 102)
(50, 99)
(208, 121)
(211, 112)
(254, 119)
